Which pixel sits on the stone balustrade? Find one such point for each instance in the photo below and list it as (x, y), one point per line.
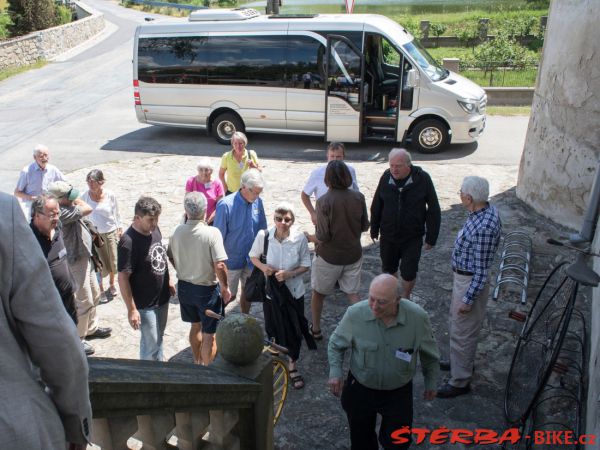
(46, 44)
(220, 407)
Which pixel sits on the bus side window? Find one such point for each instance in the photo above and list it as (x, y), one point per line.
(305, 63)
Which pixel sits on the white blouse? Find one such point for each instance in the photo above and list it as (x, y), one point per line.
(105, 214)
(287, 255)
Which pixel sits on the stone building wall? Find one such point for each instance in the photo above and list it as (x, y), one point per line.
(562, 148)
(46, 44)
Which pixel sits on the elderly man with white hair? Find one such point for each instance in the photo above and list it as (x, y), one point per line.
(405, 208)
(240, 216)
(35, 177)
(198, 255)
(474, 250)
(212, 189)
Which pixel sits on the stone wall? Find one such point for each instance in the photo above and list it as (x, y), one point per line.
(46, 44)
(561, 152)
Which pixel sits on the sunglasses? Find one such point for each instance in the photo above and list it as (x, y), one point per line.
(283, 219)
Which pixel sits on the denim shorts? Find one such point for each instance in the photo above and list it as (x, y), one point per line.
(194, 299)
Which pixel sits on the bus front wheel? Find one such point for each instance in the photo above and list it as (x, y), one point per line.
(430, 136)
(224, 126)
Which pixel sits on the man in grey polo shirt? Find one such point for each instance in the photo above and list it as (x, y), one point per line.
(385, 334)
(197, 252)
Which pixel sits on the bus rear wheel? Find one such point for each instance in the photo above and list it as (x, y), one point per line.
(430, 136)
(224, 126)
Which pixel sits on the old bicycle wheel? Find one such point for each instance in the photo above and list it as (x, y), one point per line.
(537, 346)
(280, 387)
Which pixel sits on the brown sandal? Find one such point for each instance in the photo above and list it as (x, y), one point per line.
(296, 379)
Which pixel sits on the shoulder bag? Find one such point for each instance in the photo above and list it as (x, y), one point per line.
(255, 288)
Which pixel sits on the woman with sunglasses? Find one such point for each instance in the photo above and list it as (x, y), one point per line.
(105, 216)
(203, 182)
(287, 260)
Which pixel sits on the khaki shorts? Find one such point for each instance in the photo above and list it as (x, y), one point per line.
(235, 276)
(323, 276)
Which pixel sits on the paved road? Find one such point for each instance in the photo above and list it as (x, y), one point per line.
(81, 106)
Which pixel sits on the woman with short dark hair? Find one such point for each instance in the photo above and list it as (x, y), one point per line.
(341, 219)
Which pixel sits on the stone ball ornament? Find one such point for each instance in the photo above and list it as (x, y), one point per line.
(239, 339)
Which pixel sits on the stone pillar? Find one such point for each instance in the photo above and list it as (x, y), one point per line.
(425, 29)
(240, 342)
(562, 148)
(543, 24)
(452, 64)
(483, 28)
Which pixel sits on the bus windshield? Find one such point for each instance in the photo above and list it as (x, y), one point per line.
(425, 61)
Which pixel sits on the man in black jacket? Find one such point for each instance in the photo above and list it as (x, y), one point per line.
(405, 207)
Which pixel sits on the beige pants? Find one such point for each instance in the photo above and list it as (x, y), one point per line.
(86, 297)
(464, 330)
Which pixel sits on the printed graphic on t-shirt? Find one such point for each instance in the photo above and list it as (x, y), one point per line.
(158, 258)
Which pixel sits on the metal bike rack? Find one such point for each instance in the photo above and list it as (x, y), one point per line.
(515, 262)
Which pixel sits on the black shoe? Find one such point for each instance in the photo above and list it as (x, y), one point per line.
(100, 333)
(444, 365)
(449, 391)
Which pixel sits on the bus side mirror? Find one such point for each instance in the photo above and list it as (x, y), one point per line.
(412, 79)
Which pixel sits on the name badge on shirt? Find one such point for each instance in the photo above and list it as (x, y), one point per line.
(62, 253)
(208, 185)
(404, 355)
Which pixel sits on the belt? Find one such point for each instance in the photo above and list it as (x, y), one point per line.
(462, 272)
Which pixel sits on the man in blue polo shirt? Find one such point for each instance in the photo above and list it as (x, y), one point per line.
(35, 177)
(239, 217)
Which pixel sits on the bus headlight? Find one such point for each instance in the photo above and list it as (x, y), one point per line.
(467, 107)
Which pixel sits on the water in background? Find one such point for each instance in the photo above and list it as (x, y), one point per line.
(388, 7)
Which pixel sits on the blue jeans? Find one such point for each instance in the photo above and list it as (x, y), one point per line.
(154, 322)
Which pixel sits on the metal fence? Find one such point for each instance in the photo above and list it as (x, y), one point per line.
(501, 74)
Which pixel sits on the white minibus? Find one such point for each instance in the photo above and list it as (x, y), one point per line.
(347, 77)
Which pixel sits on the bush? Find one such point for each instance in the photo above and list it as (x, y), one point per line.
(5, 23)
(64, 14)
(30, 15)
(437, 29)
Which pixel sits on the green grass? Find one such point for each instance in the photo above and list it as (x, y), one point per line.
(11, 71)
(502, 78)
(508, 110)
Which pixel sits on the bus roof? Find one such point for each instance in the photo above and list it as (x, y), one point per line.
(262, 23)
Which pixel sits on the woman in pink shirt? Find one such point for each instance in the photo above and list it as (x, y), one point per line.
(212, 189)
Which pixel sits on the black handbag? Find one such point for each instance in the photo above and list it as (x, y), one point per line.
(255, 288)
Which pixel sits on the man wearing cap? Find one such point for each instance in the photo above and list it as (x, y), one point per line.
(78, 242)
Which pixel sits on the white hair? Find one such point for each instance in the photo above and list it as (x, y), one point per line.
(477, 187)
(39, 148)
(204, 163)
(241, 136)
(194, 204)
(252, 178)
(284, 208)
(400, 152)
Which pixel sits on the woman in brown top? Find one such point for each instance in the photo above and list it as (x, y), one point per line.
(341, 218)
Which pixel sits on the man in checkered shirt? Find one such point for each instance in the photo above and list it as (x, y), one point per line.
(472, 257)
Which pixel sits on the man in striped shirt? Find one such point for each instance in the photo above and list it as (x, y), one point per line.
(472, 257)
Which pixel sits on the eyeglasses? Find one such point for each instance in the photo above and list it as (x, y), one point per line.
(381, 302)
(49, 216)
(285, 220)
(95, 181)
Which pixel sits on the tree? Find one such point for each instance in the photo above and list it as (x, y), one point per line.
(468, 34)
(437, 29)
(502, 51)
(30, 15)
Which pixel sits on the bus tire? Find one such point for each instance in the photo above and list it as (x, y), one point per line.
(430, 136)
(225, 125)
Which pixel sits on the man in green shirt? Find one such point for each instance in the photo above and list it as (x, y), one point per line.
(385, 334)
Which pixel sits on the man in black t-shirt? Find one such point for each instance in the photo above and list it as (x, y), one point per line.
(48, 231)
(144, 277)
